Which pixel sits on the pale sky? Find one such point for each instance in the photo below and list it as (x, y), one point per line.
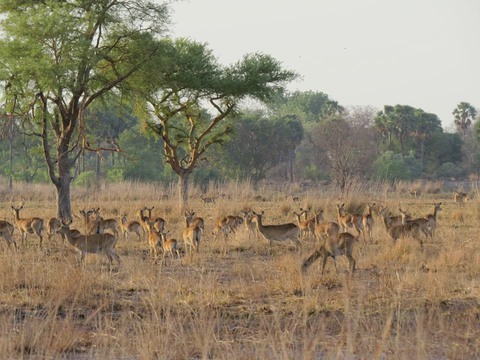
(422, 53)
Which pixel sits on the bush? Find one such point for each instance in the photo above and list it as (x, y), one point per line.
(86, 178)
(391, 166)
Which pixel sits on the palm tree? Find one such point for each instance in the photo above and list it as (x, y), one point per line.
(464, 116)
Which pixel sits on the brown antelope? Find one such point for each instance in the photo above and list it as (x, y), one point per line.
(6, 231)
(250, 226)
(92, 244)
(460, 198)
(143, 220)
(396, 231)
(227, 225)
(26, 226)
(336, 245)
(92, 225)
(106, 224)
(130, 227)
(367, 223)
(324, 230)
(432, 220)
(280, 233)
(154, 241)
(428, 223)
(306, 226)
(169, 245)
(191, 237)
(346, 220)
(53, 225)
(191, 219)
(158, 223)
(393, 220)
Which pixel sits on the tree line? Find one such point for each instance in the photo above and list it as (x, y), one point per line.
(97, 91)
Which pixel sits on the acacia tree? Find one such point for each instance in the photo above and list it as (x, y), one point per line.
(57, 57)
(186, 94)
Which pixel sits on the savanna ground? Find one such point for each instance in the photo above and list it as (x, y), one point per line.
(403, 302)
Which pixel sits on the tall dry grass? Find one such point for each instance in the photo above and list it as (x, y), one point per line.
(403, 302)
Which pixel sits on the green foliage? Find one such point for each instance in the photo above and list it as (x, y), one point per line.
(258, 145)
(464, 115)
(86, 178)
(308, 107)
(115, 175)
(450, 170)
(391, 166)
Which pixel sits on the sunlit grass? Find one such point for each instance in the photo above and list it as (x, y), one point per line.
(249, 302)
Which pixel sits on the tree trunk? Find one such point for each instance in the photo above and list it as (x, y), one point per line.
(64, 209)
(183, 187)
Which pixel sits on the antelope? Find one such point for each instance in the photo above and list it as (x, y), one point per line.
(393, 220)
(143, 220)
(395, 230)
(154, 240)
(191, 237)
(429, 226)
(192, 220)
(460, 198)
(227, 225)
(306, 226)
(169, 245)
(280, 233)
(250, 226)
(26, 226)
(158, 223)
(325, 229)
(92, 226)
(53, 225)
(91, 244)
(367, 223)
(106, 224)
(433, 217)
(335, 245)
(129, 227)
(6, 231)
(346, 220)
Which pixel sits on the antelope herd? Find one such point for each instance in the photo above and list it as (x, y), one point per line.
(330, 238)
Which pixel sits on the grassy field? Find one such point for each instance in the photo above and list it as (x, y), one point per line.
(403, 302)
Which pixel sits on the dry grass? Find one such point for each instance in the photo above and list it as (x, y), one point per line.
(403, 302)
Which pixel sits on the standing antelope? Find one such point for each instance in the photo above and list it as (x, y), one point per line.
(250, 226)
(336, 245)
(92, 244)
(26, 226)
(92, 226)
(129, 227)
(191, 219)
(158, 223)
(227, 225)
(367, 223)
(154, 241)
(327, 229)
(53, 225)
(346, 220)
(432, 218)
(460, 198)
(106, 224)
(280, 233)
(169, 246)
(191, 237)
(306, 226)
(428, 223)
(396, 231)
(6, 231)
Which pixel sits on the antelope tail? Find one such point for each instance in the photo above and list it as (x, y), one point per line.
(311, 259)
